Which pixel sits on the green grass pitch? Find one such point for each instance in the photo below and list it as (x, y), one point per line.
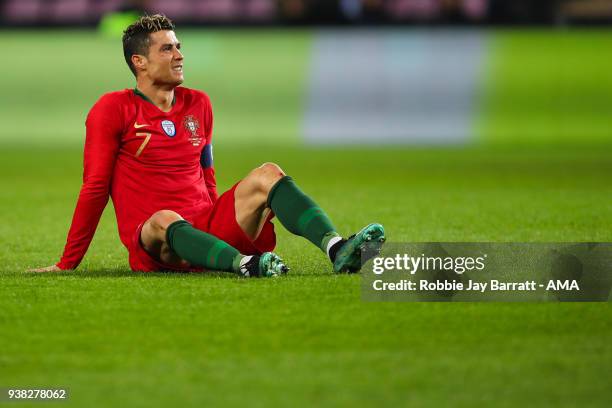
(118, 338)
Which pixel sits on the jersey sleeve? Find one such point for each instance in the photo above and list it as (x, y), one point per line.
(103, 126)
(206, 160)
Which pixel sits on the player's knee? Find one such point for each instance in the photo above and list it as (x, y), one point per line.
(267, 175)
(272, 169)
(159, 222)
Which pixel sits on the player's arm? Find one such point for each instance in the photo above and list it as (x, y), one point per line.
(206, 160)
(101, 146)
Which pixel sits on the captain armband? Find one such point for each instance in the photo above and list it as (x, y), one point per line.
(206, 159)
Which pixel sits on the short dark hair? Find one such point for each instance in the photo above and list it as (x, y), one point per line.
(136, 37)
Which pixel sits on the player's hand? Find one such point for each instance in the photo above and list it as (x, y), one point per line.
(52, 268)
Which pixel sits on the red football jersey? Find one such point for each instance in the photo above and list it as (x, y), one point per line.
(146, 160)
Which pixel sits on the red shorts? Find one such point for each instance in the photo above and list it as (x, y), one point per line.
(219, 221)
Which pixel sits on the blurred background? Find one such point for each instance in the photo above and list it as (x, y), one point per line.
(324, 72)
(283, 12)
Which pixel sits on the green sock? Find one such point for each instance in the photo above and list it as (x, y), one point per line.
(300, 214)
(202, 249)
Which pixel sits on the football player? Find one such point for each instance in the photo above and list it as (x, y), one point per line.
(150, 150)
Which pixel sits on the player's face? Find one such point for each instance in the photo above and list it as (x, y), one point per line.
(165, 60)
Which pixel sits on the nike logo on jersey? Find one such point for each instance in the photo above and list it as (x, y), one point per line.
(137, 126)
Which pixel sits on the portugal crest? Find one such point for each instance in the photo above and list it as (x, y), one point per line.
(192, 125)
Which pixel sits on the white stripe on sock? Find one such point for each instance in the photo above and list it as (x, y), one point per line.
(331, 244)
(244, 260)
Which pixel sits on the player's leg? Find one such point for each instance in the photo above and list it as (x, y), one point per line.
(251, 196)
(166, 236)
(268, 187)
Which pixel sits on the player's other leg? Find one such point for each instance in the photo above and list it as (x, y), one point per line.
(171, 240)
(269, 188)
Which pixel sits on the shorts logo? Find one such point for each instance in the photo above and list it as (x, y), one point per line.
(168, 127)
(192, 125)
